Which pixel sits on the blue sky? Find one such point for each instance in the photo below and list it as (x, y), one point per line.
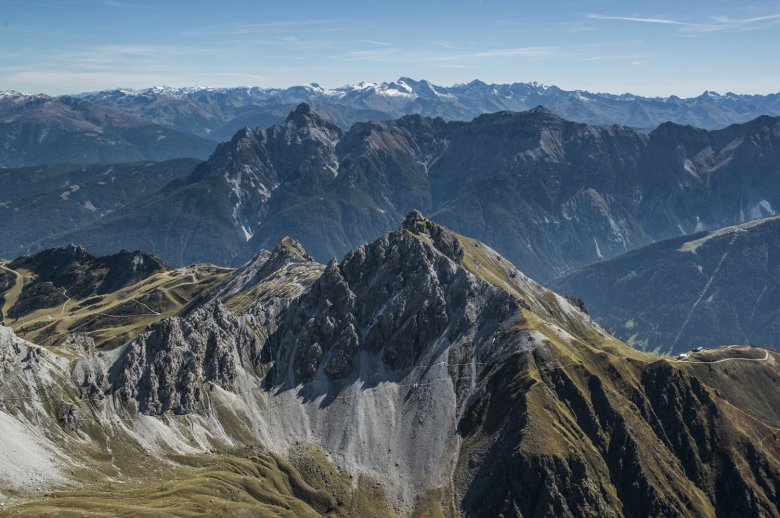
(649, 48)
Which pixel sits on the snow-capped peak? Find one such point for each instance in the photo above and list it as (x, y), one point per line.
(13, 94)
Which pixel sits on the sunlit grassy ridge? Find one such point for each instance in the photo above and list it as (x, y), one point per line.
(113, 318)
(248, 482)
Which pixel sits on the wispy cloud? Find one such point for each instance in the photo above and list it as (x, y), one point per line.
(681, 25)
(463, 57)
(616, 57)
(375, 42)
(456, 66)
(746, 21)
(381, 54)
(715, 23)
(315, 25)
(119, 3)
(445, 44)
(747, 24)
(524, 52)
(660, 21)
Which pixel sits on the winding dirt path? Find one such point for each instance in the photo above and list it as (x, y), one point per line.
(12, 295)
(765, 358)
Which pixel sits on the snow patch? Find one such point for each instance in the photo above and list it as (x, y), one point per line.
(598, 250)
(690, 168)
(761, 209)
(699, 226)
(247, 233)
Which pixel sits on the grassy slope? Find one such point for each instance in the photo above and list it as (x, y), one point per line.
(117, 317)
(241, 483)
(11, 295)
(586, 391)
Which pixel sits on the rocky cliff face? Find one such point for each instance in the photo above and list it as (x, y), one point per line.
(550, 194)
(168, 370)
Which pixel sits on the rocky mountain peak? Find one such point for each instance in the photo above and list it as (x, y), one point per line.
(74, 251)
(126, 268)
(413, 220)
(540, 110)
(289, 246)
(246, 135)
(54, 261)
(537, 118)
(303, 109)
(267, 283)
(245, 149)
(441, 238)
(305, 116)
(137, 259)
(395, 298)
(424, 372)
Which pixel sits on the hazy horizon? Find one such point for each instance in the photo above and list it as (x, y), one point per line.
(667, 48)
(345, 85)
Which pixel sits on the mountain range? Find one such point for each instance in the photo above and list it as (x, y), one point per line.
(161, 123)
(422, 374)
(217, 113)
(708, 289)
(38, 129)
(550, 194)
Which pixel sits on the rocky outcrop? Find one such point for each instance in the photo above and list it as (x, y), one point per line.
(169, 369)
(396, 300)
